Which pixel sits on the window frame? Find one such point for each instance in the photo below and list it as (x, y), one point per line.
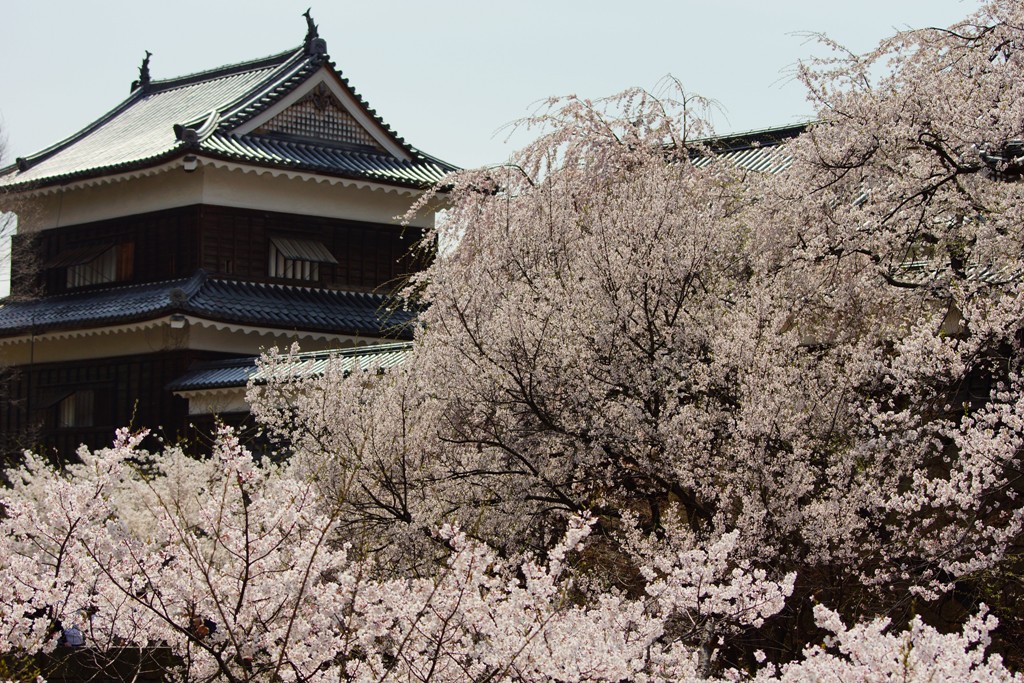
(114, 264)
(77, 410)
(297, 258)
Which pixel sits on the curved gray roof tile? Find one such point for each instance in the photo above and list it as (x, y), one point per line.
(270, 305)
(237, 372)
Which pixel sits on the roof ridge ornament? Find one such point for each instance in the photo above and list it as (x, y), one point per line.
(315, 45)
(143, 82)
(187, 135)
(194, 133)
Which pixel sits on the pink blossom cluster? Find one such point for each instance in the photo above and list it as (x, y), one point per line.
(234, 565)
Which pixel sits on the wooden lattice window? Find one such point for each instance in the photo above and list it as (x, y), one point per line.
(319, 116)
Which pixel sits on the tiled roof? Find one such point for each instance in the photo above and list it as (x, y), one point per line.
(228, 301)
(264, 149)
(760, 151)
(198, 114)
(921, 273)
(217, 374)
(237, 372)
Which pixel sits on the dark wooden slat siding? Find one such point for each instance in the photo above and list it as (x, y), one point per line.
(129, 392)
(230, 242)
(14, 434)
(370, 256)
(165, 247)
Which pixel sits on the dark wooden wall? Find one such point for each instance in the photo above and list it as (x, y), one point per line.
(225, 241)
(370, 256)
(128, 390)
(166, 246)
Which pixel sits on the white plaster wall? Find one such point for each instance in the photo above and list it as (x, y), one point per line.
(113, 342)
(46, 349)
(211, 183)
(72, 206)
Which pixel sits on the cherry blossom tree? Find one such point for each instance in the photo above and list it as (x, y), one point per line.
(665, 419)
(235, 566)
(821, 364)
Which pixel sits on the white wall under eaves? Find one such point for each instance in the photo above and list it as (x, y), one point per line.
(161, 335)
(214, 183)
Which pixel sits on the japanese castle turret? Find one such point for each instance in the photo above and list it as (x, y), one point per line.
(201, 220)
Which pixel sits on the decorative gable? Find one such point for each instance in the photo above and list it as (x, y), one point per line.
(321, 117)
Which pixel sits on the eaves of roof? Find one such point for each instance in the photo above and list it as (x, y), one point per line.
(238, 372)
(268, 305)
(219, 374)
(761, 151)
(753, 139)
(323, 159)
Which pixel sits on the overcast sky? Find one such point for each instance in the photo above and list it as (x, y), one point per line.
(445, 74)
